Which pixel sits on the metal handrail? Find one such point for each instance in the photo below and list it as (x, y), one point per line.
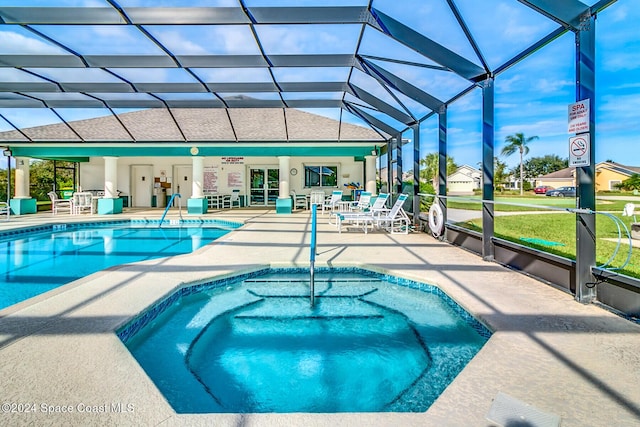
(169, 205)
(312, 254)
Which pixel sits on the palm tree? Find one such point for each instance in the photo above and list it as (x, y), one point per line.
(518, 142)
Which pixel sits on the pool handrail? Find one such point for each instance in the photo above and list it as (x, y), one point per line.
(312, 253)
(169, 205)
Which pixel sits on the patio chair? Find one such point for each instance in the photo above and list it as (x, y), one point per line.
(394, 220)
(4, 209)
(82, 202)
(363, 202)
(316, 198)
(299, 201)
(628, 210)
(60, 205)
(330, 204)
(233, 199)
(365, 218)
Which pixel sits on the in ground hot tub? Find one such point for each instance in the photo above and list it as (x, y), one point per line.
(253, 343)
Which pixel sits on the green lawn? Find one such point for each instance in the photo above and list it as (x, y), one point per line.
(556, 202)
(555, 233)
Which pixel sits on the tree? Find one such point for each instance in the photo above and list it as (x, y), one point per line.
(538, 166)
(500, 173)
(429, 172)
(631, 183)
(518, 143)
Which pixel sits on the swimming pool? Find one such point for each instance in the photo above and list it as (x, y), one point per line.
(37, 259)
(252, 344)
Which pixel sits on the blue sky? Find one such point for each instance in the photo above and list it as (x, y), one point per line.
(531, 97)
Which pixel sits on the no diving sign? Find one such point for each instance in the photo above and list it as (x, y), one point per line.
(580, 150)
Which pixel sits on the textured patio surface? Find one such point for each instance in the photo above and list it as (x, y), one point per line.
(59, 351)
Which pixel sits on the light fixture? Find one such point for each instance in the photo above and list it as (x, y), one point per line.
(374, 153)
(7, 153)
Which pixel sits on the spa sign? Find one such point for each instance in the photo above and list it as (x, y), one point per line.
(579, 117)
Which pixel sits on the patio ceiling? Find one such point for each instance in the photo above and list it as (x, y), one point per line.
(79, 73)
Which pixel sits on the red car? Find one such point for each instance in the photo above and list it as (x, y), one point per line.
(542, 189)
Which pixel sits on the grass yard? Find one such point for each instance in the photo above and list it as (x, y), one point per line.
(555, 233)
(536, 203)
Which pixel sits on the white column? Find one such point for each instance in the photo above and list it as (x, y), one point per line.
(110, 177)
(283, 186)
(370, 174)
(198, 177)
(21, 190)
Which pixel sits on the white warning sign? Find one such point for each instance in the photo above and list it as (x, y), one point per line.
(579, 117)
(580, 151)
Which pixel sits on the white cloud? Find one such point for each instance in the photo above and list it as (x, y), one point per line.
(17, 44)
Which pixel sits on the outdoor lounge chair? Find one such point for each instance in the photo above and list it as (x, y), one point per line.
(60, 205)
(330, 205)
(362, 204)
(4, 209)
(363, 219)
(394, 220)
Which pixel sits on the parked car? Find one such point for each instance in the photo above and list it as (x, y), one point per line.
(562, 192)
(542, 189)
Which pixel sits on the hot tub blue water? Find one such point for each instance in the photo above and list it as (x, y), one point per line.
(36, 260)
(371, 343)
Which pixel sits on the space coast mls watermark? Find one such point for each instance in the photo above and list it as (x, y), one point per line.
(50, 408)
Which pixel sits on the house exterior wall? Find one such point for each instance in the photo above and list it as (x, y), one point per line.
(606, 177)
(349, 170)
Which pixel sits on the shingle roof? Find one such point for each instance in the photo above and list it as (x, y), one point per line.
(201, 124)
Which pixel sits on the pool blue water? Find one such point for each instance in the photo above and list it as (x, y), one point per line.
(34, 263)
(257, 346)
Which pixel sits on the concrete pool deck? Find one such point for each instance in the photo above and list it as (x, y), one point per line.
(58, 351)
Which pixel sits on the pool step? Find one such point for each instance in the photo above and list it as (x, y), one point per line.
(299, 308)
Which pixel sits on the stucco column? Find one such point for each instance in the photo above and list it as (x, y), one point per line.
(198, 177)
(283, 186)
(110, 177)
(22, 178)
(370, 174)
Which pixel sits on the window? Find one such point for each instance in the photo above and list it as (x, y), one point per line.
(320, 176)
(613, 183)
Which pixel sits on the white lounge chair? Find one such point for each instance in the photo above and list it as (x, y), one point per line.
(60, 205)
(330, 205)
(363, 219)
(394, 220)
(363, 202)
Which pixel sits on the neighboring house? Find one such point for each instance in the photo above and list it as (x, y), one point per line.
(608, 174)
(464, 180)
(562, 178)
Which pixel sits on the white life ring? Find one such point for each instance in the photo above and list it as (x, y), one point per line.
(436, 219)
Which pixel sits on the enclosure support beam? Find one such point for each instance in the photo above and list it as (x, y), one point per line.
(399, 163)
(585, 175)
(442, 164)
(416, 172)
(487, 168)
